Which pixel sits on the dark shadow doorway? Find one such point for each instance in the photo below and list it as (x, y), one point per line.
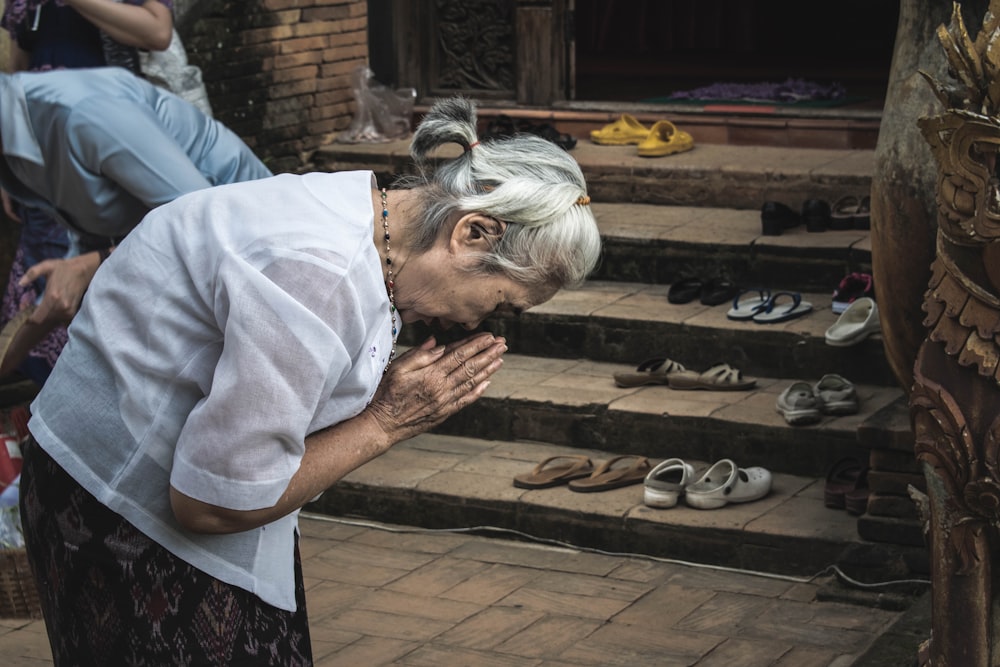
(637, 50)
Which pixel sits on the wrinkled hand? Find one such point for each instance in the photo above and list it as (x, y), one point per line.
(66, 280)
(429, 383)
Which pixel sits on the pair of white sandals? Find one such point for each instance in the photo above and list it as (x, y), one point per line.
(722, 483)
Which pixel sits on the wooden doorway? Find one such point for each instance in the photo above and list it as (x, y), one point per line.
(637, 50)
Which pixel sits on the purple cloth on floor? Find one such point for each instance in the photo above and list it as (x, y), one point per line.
(792, 90)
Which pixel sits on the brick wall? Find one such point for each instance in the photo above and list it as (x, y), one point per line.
(278, 72)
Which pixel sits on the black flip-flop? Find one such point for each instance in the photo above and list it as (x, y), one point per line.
(685, 290)
(717, 292)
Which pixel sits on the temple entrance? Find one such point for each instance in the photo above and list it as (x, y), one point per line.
(593, 54)
(638, 51)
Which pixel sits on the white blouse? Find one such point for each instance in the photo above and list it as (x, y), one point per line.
(229, 325)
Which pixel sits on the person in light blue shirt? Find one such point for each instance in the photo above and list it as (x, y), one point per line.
(97, 149)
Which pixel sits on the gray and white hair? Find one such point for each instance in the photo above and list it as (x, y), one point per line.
(531, 184)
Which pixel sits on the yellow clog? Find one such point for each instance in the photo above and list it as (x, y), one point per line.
(665, 139)
(625, 130)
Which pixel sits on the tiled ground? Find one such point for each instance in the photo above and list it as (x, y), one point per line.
(381, 595)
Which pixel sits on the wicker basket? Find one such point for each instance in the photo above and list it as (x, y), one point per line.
(18, 593)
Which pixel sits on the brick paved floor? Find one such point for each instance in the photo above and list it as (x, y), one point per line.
(383, 595)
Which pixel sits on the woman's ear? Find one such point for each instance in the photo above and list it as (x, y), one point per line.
(478, 232)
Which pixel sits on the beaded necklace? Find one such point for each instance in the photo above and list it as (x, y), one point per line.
(389, 283)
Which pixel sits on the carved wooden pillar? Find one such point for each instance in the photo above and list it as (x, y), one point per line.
(903, 209)
(955, 399)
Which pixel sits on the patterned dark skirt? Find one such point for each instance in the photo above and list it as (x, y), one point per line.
(112, 596)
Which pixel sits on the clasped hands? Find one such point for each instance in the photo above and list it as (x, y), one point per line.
(429, 383)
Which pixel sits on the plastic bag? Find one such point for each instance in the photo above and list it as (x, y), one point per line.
(170, 69)
(11, 533)
(383, 114)
(13, 432)
(167, 69)
(10, 459)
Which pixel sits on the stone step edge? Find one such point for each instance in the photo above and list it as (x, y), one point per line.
(627, 323)
(821, 163)
(437, 482)
(712, 174)
(650, 222)
(621, 301)
(795, 450)
(576, 403)
(631, 301)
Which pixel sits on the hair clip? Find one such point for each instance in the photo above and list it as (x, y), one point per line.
(584, 200)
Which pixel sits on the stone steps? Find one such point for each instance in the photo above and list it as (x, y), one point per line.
(695, 213)
(440, 481)
(711, 175)
(659, 244)
(575, 403)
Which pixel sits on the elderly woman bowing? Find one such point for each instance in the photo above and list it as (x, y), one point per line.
(236, 356)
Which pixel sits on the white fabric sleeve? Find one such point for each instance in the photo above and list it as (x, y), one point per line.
(290, 333)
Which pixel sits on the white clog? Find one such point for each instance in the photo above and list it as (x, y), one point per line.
(725, 483)
(665, 483)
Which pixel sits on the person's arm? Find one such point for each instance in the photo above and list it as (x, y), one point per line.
(66, 281)
(421, 389)
(147, 26)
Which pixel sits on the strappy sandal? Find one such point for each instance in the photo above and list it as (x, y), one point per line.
(720, 377)
(554, 471)
(651, 371)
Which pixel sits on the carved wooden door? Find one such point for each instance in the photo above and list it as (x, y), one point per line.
(514, 51)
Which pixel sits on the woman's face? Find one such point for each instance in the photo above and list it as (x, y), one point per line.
(441, 287)
(465, 299)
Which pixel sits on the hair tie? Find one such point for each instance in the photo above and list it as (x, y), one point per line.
(471, 146)
(584, 200)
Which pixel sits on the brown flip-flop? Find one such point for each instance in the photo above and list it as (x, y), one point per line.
(554, 471)
(611, 474)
